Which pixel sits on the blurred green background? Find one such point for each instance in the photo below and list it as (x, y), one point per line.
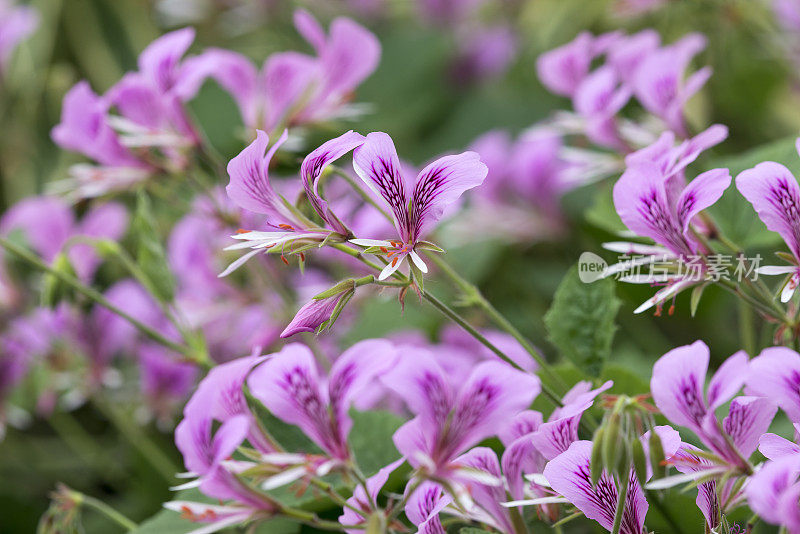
(753, 90)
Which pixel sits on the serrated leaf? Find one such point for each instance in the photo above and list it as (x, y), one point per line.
(150, 256)
(580, 322)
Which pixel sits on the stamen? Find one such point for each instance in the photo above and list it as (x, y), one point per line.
(283, 258)
(242, 231)
(286, 226)
(394, 261)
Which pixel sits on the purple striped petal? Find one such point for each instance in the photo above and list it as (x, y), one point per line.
(424, 505)
(570, 475)
(377, 164)
(563, 69)
(748, 420)
(643, 205)
(440, 184)
(699, 194)
(289, 385)
(487, 497)
(773, 191)
(249, 185)
(774, 446)
(554, 437)
(525, 422)
(313, 166)
(519, 458)
(357, 369)
(677, 385)
(775, 374)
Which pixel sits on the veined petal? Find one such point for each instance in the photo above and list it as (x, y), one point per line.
(570, 475)
(749, 419)
(287, 77)
(494, 390)
(642, 203)
(249, 185)
(160, 60)
(440, 184)
(316, 162)
(377, 164)
(424, 505)
(774, 446)
(354, 371)
(677, 384)
(774, 193)
(775, 374)
(520, 457)
(288, 384)
(699, 194)
(554, 437)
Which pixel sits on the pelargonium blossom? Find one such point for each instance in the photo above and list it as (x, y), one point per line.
(677, 386)
(449, 419)
(774, 491)
(415, 205)
(250, 188)
(150, 131)
(652, 202)
(290, 386)
(774, 193)
(295, 88)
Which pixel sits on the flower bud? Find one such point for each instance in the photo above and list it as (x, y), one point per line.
(657, 456)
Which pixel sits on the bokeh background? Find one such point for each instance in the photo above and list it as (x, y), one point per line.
(430, 100)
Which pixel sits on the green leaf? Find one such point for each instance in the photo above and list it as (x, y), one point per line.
(371, 439)
(473, 530)
(150, 256)
(580, 322)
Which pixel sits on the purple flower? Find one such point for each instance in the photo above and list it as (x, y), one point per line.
(366, 503)
(16, 24)
(447, 11)
(415, 211)
(450, 419)
(289, 385)
(295, 88)
(659, 84)
(561, 430)
(314, 165)
(48, 224)
(775, 374)
(424, 505)
(598, 99)
(677, 388)
(569, 474)
(563, 69)
(220, 397)
(652, 204)
(206, 455)
(773, 191)
(774, 491)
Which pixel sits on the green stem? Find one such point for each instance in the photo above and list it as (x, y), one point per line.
(101, 507)
(311, 519)
(474, 296)
(455, 317)
(747, 329)
(623, 493)
(100, 299)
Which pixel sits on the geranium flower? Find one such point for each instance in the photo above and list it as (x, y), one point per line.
(417, 205)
